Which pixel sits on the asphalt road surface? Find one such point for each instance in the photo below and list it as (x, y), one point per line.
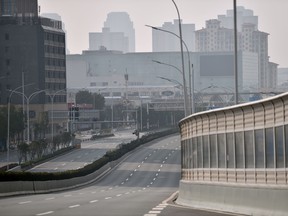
(90, 151)
(138, 186)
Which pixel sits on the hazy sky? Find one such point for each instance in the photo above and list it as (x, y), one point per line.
(84, 16)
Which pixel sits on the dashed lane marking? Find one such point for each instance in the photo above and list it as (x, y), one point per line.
(45, 213)
(93, 201)
(74, 206)
(25, 202)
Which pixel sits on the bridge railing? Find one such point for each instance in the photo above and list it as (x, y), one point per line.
(243, 144)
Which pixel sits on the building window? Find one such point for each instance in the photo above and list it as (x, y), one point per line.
(239, 150)
(7, 36)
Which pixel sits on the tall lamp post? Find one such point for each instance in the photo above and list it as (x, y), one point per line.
(8, 121)
(191, 86)
(182, 57)
(184, 83)
(235, 51)
(28, 99)
(52, 112)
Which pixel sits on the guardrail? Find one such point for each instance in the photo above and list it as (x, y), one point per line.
(243, 146)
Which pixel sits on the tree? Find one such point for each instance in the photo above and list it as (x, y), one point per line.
(16, 123)
(84, 97)
(23, 149)
(41, 126)
(98, 101)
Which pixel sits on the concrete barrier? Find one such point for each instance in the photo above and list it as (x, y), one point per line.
(253, 200)
(35, 187)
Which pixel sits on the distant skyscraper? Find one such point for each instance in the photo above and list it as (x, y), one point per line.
(218, 36)
(120, 22)
(117, 34)
(166, 42)
(108, 40)
(243, 16)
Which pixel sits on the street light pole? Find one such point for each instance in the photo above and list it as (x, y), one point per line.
(8, 121)
(191, 103)
(182, 57)
(52, 112)
(235, 51)
(28, 112)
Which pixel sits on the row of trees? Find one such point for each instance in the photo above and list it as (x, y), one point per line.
(39, 148)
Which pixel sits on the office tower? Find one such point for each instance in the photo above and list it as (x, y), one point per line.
(167, 42)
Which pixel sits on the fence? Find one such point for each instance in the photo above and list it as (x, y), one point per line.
(244, 145)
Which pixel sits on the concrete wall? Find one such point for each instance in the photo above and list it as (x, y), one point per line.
(242, 199)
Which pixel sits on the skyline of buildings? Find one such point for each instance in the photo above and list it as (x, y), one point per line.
(216, 36)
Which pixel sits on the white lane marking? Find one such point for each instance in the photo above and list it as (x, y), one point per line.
(118, 195)
(127, 179)
(122, 183)
(85, 164)
(151, 183)
(139, 166)
(25, 202)
(50, 198)
(93, 192)
(93, 201)
(154, 179)
(74, 206)
(68, 195)
(127, 193)
(110, 188)
(56, 168)
(157, 174)
(159, 170)
(131, 174)
(154, 212)
(45, 213)
(63, 164)
(135, 170)
(161, 165)
(150, 215)
(157, 209)
(106, 198)
(146, 158)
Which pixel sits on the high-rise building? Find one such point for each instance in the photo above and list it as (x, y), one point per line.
(32, 54)
(243, 16)
(219, 36)
(167, 42)
(108, 40)
(118, 34)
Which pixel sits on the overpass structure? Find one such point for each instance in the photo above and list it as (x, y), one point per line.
(235, 159)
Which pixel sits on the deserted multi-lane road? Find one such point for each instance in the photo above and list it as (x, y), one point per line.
(136, 187)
